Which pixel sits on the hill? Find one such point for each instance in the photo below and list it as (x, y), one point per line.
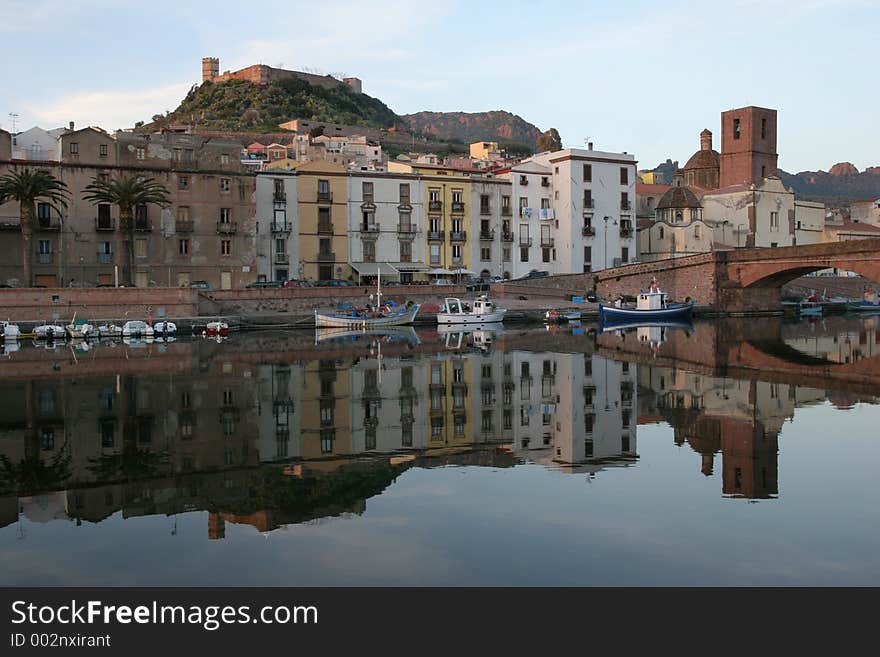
(467, 127)
(837, 186)
(240, 106)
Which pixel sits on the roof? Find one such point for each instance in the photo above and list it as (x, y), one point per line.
(678, 197)
(730, 189)
(644, 189)
(855, 227)
(708, 159)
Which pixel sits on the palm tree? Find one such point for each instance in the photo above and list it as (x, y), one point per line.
(126, 194)
(26, 187)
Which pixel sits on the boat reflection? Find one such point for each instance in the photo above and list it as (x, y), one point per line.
(481, 339)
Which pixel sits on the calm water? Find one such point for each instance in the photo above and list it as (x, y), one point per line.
(734, 452)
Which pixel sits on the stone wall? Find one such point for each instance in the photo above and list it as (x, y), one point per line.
(49, 304)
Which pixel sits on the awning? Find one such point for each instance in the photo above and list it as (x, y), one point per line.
(462, 272)
(439, 272)
(410, 266)
(374, 268)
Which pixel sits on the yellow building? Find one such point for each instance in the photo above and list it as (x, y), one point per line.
(326, 412)
(322, 204)
(485, 150)
(448, 210)
(449, 410)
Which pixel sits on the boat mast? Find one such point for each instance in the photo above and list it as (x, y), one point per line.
(378, 286)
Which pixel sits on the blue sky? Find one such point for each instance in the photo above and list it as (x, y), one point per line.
(641, 77)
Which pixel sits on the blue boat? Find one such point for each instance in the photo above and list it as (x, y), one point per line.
(862, 306)
(650, 305)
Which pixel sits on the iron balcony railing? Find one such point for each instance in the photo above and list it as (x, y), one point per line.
(487, 235)
(457, 207)
(281, 258)
(326, 256)
(281, 227)
(435, 206)
(588, 231)
(458, 236)
(104, 225)
(436, 235)
(183, 226)
(227, 227)
(104, 258)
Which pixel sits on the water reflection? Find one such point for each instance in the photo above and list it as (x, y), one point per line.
(271, 430)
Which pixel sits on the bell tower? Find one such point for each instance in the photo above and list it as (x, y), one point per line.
(748, 145)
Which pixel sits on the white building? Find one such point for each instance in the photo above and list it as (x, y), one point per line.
(277, 247)
(575, 211)
(38, 144)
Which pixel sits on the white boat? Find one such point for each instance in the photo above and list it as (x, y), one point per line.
(650, 305)
(480, 338)
(562, 316)
(9, 332)
(217, 328)
(483, 311)
(50, 332)
(390, 334)
(387, 314)
(109, 330)
(137, 329)
(80, 330)
(165, 328)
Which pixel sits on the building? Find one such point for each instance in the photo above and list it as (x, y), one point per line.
(678, 228)
(865, 212)
(37, 145)
(486, 150)
(748, 146)
(262, 74)
(205, 234)
(574, 211)
(321, 222)
(703, 169)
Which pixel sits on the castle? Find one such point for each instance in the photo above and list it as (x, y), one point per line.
(262, 74)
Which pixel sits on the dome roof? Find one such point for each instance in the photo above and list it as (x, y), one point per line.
(678, 197)
(703, 159)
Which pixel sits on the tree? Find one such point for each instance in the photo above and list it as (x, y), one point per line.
(26, 187)
(549, 141)
(127, 194)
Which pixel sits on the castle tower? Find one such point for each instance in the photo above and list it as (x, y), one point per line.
(210, 69)
(355, 84)
(748, 145)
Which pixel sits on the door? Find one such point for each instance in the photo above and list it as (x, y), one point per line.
(46, 280)
(225, 280)
(141, 279)
(105, 279)
(183, 279)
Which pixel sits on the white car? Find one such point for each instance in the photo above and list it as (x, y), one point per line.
(441, 281)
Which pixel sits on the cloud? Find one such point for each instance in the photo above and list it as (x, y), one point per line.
(108, 109)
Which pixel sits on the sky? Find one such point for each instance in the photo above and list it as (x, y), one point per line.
(640, 77)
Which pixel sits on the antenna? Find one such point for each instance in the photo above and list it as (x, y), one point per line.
(14, 118)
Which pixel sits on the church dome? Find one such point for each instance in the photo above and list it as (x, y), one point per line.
(677, 198)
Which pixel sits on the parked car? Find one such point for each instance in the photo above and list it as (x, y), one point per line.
(264, 284)
(534, 274)
(293, 282)
(201, 285)
(335, 282)
(478, 285)
(441, 281)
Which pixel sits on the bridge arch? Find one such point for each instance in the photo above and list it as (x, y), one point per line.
(776, 273)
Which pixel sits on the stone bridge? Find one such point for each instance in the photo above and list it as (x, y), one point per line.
(738, 280)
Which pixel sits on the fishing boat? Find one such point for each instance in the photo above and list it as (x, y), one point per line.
(137, 329)
(483, 311)
(9, 332)
(862, 306)
(388, 333)
(653, 304)
(165, 328)
(387, 314)
(218, 328)
(50, 332)
(79, 330)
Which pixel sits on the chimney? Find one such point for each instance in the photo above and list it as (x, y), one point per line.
(589, 145)
(706, 140)
(71, 126)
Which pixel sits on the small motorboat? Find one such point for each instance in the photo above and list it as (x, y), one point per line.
(137, 329)
(653, 304)
(483, 311)
(217, 328)
(9, 332)
(80, 330)
(50, 332)
(109, 330)
(562, 316)
(862, 306)
(387, 314)
(165, 329)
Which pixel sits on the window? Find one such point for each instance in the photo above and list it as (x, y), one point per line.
(456, 196)
(545, 203)
(140, 153)
(523, 180)
(661, 232)
(367, 190)
(434, 195)
(485, 253)
(45, 247)
(74, 148)
(369, 251)
(140, 248)
(774, 221)
(224, 184)
(281, 246)
(524, 254)
(404, 193)
(505, 205)
(183, 213)
(484, 204)
(224, 158)
(624, 176)
(588, 173)
(225, 215)
(588, 258)
(736, 128)
(763, 171)
(102, 150)
(183, 247)
(323, 187)
(225, 247)
(406, 251)
(505, 254)
(456, 252)
(183, 182)
(624, 201)
(326, 442)
(763, 128)
(435, 254)
(624, 254)
(43, 211)
(696, 231)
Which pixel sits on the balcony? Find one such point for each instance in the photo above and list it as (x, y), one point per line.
(546, 214)
(406, 229)
(404, 204)
(435, 206)
(227, 227)
(589, 205)
(525, 241)
(325, 228)
(457, 207)
(525, 212)
(183, 226)
(45, 258)
(506, 236)
(545, 182)
(457, 260)
(625, 206)
(280, 227)
(279, 197)
(370, 231)
(142, 225)
(106, 225)
(484, 209)
(487, 235)
(506, 211)
(281, 259)
(368, 203)
(588, 231)
(325, 197)
(326, 256)
(436, 235)
(104, 258)
(523, 181)
(44, 224)
(458, 236)
(547, 242)
(626, 231)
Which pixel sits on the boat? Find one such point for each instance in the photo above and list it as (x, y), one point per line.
(217, 328)
(479, 338)
(165, 328)
(484, 311)
(79, 330)
(50, 332)
(389, 333)
(109, 330)
(9, 332)
(810, 309)
(387, 314)
(653, 304)
(862, 306)
(562, 316)
(137, 329)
